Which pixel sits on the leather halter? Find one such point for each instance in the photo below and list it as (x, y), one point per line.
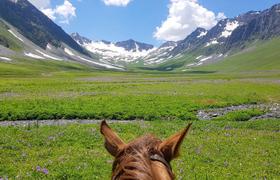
(156, 157)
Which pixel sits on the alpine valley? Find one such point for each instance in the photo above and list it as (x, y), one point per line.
(58, 88)
(26, 33)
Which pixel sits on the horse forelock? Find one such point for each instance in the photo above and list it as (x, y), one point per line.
(134, 161)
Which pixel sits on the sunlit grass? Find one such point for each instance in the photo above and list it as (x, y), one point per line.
(217, 149)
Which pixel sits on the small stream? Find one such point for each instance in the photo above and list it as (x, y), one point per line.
(272, 111)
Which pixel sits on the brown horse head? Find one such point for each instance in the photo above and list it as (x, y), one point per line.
(146, 158)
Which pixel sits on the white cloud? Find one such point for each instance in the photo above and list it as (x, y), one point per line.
(66, 11)
(184, 17)
(41, 4)
(50, 13)
(117, 2)
(221, 16)
(63, 13)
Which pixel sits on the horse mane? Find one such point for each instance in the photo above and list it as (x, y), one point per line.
(134, 161)
(133, 166)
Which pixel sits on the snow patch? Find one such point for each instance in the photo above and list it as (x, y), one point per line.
(99, 64)
(199, 57)
(33, 55)
(111, 51)
(5, 58)
(202, 34)
(14, 34)
(201, 61)
(220, 55)
(256, 12)
(48, 56)
(49, 47)
(213, 42)
(69, 52)
(205, 59)
(192, 64)
(230, 27)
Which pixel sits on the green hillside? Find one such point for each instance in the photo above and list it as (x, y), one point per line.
(264, 57)
(30, 67)
(7, 39)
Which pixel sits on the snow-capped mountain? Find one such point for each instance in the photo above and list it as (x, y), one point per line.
(229, 36)
(38, 37)
(119, 52)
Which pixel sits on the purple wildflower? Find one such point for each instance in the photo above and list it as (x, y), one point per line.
(41, 170)
(38, 168)
(45, 171)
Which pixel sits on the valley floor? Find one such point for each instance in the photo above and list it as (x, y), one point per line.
(230, 145)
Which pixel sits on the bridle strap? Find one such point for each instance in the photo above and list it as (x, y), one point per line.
(158, 158)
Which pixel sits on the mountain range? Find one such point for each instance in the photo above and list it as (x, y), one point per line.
(27, 32)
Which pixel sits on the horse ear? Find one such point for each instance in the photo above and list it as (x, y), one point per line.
(170, 147)
(113, 143)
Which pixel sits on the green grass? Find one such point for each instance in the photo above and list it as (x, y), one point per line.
(241, 115)
(213, 150)
(170, 65)
(125, 96)
(26, 67)
(34, 89)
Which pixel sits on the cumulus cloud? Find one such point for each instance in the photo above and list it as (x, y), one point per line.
(117, 2)
(41, 4)
(63, 13)
(50, 13)
(183, 18)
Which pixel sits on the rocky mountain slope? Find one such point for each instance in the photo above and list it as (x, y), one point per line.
(38, 37)
(34, 25)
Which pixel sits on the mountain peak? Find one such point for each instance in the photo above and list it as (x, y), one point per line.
(80, 39)
(132, 45)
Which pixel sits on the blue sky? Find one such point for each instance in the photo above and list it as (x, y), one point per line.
(139, 19)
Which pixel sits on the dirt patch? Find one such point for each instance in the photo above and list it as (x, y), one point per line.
(272, 111)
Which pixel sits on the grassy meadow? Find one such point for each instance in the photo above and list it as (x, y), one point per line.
(213, 150)
(228, 147)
